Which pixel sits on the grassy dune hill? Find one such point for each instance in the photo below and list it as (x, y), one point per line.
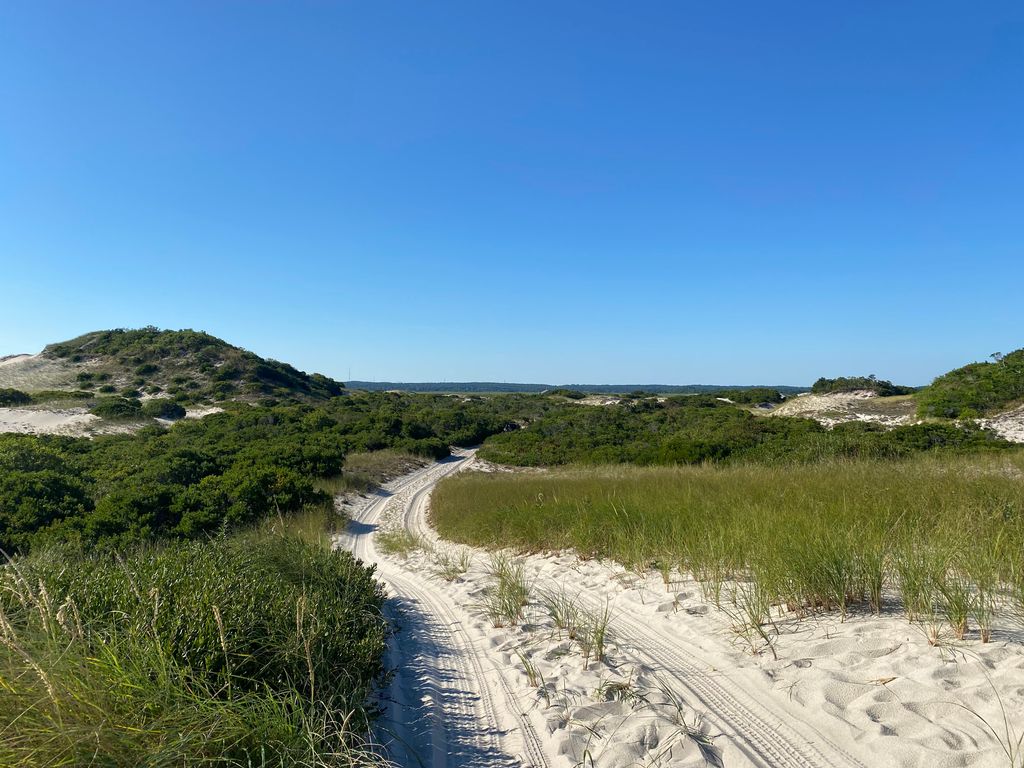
(190, 366)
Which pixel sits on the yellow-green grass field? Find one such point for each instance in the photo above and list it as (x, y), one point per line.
(935, 537)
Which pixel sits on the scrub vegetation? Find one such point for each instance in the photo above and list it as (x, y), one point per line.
(870, 383)
(701, 428)
(975, 389)
(170, 598)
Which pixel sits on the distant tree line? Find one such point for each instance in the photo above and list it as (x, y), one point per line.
(585, 389)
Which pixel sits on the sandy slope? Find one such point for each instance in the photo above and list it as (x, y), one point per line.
(77, 421)
(35, 372)
(1008, 425)
(838, 407)
(64, 421)
(870, 691)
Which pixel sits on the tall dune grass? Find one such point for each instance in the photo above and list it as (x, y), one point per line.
(941, 535)
(258, 649)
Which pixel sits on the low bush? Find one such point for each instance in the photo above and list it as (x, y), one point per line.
(9, 397)
(162, 408)
(117, 408)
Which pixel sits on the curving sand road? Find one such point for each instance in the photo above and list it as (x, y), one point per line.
(451, 702)
(448, 704)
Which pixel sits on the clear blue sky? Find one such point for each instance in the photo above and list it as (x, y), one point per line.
(532, 191)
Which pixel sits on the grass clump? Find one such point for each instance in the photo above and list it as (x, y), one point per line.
(450, 563)
(400, 542)
(509, 591)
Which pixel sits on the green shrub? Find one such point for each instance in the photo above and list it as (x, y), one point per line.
(10, 397)
(117, 408)
(162, 408)
(853, 383)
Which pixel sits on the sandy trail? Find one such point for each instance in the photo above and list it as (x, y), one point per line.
(448, 704)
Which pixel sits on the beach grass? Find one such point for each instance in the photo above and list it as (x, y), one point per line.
(940, 537)
(257, 649)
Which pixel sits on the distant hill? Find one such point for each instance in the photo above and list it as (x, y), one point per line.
(608, 389)
(975, 389)
(191, 366)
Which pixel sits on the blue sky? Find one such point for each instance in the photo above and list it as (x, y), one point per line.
(562, 192)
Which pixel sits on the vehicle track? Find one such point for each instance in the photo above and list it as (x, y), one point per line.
(442, 710)
(765, 737)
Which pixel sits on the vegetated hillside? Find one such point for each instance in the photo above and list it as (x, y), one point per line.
(602, 389)
(190, 366)
(880, 387)
(975, 389)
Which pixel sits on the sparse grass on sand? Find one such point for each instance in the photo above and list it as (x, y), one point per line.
(944, 535)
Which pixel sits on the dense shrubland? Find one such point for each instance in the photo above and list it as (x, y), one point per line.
(700, 428)
(228, 469)
(975, 389)
(751, 395)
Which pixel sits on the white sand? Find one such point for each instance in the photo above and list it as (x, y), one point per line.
(66, 421)
(78, 422)
(839, 407)
(35, 372)
(867, 692)
(1008, 425)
